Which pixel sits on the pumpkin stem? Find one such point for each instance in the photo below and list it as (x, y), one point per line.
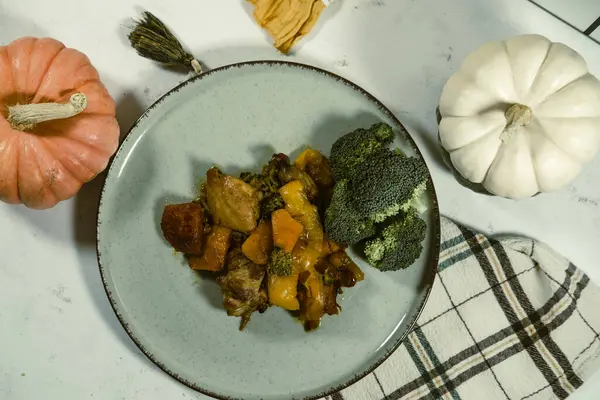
(517, 116)
(25, 116)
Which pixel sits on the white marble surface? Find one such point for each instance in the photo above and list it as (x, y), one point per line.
(60, 339)
(579, 13)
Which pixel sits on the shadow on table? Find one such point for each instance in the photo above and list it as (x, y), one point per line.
(85, 219)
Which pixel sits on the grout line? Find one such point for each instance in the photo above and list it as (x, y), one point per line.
(592, 27)
(557, 16)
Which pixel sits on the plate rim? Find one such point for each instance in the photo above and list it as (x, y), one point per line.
(436, 233)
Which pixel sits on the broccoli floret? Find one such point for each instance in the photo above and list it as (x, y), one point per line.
(374, 187)
(383, 132)
(251, 178)
(267, 182)
(351, 149)
(343, 223)
(271, 204)
(398, 245)
(387, 182)
(280, 263)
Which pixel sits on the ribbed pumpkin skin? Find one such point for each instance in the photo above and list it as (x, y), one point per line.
(545, 85)
(50, 163)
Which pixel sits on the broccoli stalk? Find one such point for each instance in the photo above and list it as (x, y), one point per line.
(398, 245)
(280, 263)
(417, 202)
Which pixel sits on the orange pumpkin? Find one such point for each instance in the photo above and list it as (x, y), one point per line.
(57, 122)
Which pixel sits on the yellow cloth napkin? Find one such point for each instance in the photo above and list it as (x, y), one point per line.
(287, 21)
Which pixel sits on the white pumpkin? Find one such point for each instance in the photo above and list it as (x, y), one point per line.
(521, 116)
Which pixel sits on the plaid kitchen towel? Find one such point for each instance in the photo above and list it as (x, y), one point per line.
(507, 318)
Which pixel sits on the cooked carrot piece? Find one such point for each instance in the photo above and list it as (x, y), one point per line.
(259, 244)
(286, 230)
(215, 250)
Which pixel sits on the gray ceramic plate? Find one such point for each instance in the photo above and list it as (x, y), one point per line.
(236, 117)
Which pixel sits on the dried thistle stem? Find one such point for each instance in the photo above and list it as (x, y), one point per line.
(153, 40)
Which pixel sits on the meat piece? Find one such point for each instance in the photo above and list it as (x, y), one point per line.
(231, 202)
(215, 250)
(243, 279)
(317, 167)
(330, 295)
(350, 273)
(331, 287)
(182, 226)
(242, 286)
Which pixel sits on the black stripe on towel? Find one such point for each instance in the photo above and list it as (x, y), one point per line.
(536, 317)
(517, 325)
